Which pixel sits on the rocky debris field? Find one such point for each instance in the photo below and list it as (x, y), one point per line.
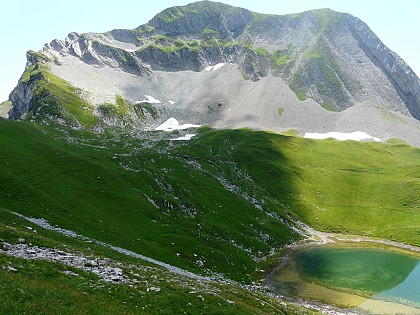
(115, 272)
(104, 268)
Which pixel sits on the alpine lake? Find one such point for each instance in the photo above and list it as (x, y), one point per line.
(367, 278)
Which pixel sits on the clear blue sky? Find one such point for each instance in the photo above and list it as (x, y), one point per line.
(28, 25)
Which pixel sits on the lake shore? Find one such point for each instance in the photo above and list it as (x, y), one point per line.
(343, 301)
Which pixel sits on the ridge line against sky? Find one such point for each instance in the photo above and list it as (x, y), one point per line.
(28, 25)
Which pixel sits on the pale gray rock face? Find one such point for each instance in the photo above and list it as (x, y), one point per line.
(332, 59)
(5, 108)
(21, 98)
(398, 73)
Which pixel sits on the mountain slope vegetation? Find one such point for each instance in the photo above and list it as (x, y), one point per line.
(217, 203)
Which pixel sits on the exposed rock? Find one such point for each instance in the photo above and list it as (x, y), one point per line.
(102, 267)
(11, 269)
(153, 289)
(21, 98)
(401, 76)
(6, 246)
(70, 273)
(5, 108)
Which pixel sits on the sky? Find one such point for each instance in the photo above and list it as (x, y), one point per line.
(28, 25)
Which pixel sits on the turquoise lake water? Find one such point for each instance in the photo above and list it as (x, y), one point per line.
(387, 276)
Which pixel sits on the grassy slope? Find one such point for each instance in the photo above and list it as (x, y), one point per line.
(40, 287)
(83, 187)
(75, 180)
(361, 188)
(349, 187)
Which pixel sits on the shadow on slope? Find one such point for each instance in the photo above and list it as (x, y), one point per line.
(216, 203)
(190, 204)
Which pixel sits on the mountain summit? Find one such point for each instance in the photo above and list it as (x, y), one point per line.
(211, 63)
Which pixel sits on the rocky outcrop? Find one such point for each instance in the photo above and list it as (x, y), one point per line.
(94, 52)
(104, 268)
(21, 98)
(22, 95)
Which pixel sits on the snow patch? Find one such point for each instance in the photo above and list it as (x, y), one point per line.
(186, 137)
(355, 136)
(173, 124)
(171, 102)
(214, 68)
(150, 99)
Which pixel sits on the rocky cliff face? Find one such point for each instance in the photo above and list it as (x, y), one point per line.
(329, 57)
(401, 76)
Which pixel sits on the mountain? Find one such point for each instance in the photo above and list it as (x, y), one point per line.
(103, 209)
(213, 64)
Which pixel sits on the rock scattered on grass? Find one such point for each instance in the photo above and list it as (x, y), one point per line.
(11, 269)
(153, 289)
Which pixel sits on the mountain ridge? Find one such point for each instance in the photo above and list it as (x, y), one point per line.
(324, 56)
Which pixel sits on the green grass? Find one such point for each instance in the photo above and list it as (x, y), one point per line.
(145, 110)
(327, 18)
(291, 133)
(84, 187)
(170, 15)
(301, 96)
(38, 55)
(279, 58)
(120, 109)
(262, 52)
(196, 200)
(328, 106)
(321, 69)
(40, 287)
(360, 188)
(210, 32)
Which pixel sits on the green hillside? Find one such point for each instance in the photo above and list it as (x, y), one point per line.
(142, 195)
(212, 204)
(42, 287)
(215, 204)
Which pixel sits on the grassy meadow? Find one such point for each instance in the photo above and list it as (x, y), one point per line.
(217, 203)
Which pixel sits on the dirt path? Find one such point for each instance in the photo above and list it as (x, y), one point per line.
(313, 236)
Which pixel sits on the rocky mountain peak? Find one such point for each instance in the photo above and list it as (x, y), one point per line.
(202, 18)
(329, 59)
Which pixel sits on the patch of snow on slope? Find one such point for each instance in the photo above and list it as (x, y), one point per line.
(214, 68)
(355, 136)
(186, 137)
(150, 99)
(171, 102)
(173, 124)
(132, 49)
